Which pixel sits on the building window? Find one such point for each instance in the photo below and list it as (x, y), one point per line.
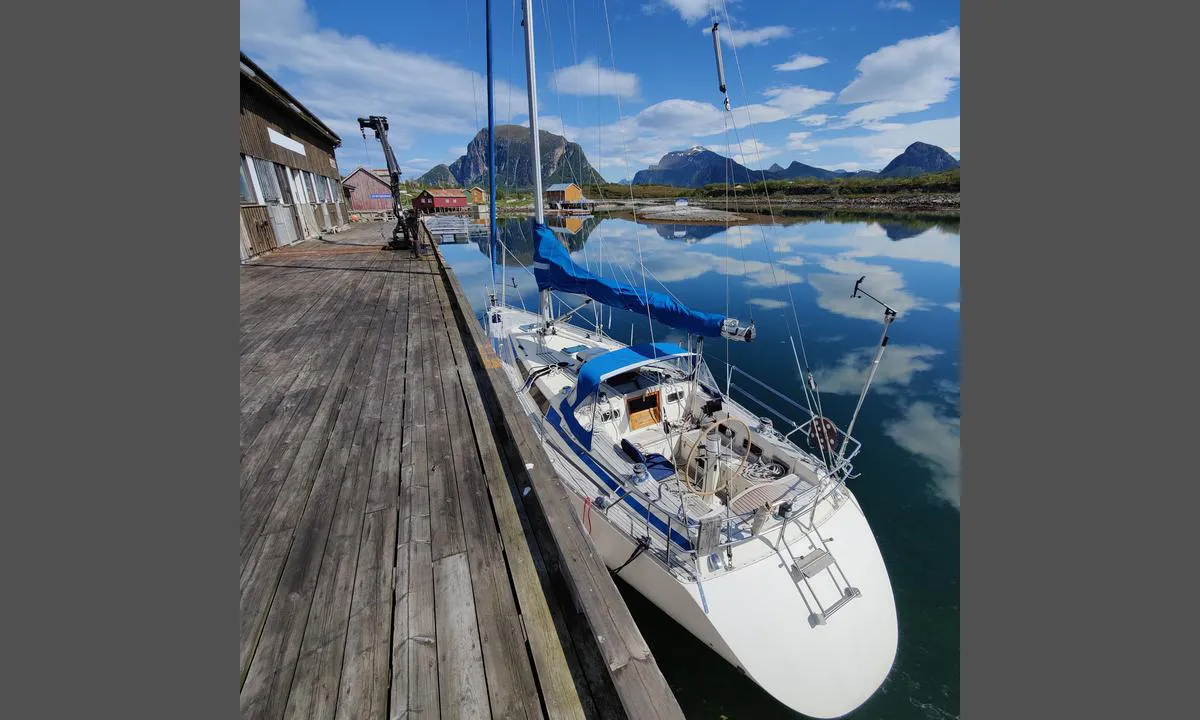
(334, 194)
(322, 189)
(266, 180)
(308, 185)
(281, 180)
(247, 188)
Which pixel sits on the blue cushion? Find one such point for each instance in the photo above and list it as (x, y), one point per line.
(657, 465)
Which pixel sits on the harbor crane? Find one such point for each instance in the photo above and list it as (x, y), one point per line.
(402, 235)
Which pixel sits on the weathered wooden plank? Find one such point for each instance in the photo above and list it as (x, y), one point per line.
(366, 674)
(276, 368)
(285, 462)
(412, 456)
(314, 687)
(308, 508)
(276, 417)
(634, 673)
(510, 682)
(558, 688)
(461, 683)
(278, 500)
(422, 630)
(447, 530)
(385, 473)
(271, 550)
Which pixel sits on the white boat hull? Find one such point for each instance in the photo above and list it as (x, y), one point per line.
(758, 622)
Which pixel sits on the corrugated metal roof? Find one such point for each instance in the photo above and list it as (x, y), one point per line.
(559, 187)
(445, 193)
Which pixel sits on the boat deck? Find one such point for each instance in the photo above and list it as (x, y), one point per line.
(384, 568)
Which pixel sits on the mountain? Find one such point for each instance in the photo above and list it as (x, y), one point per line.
(694, 167)
(562, 160)
(699, 166)
(438, 176)
(799, 171)
(917, 159)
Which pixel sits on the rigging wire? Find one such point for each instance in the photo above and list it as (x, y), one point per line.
(557, 93)
(625, 156)
(767, 191)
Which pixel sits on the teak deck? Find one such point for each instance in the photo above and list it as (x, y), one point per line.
(386, 569)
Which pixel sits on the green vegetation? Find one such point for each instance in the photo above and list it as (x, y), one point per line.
(941, 182)
(616, 191)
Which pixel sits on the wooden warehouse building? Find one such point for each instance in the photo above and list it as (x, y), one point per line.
(290, 185)
(367, 191)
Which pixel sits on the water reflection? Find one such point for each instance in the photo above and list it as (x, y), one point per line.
(801, 271)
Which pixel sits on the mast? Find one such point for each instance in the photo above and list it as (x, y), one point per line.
(531, 80)
(491, 88)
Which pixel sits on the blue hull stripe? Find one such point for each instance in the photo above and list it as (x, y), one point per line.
(554, 419)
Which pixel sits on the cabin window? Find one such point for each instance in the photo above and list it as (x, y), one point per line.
(674, 396)
(247, 187)
(610, 414)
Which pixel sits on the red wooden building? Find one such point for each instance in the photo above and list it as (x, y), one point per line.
(367, 191)
(436, 201)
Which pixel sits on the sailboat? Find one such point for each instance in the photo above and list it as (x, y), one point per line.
(745, 535)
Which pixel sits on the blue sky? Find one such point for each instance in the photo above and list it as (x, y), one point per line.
(845, 84)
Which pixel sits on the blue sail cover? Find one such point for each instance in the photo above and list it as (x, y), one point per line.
(555, 270)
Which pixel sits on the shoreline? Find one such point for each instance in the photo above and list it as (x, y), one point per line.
(753, 209)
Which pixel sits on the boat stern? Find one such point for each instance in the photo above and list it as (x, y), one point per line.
(821, 645)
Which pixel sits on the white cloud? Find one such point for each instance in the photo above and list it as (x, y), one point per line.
(767, 303)
(833, 290)
(802, 62)
(737, 37)
(750, 153)
(587, 78)
(871, 241)
(956, 307)
(895, 5)
(847, 166)
(796, 99)
(935, 440)
(897, 368)
(341, 77)
(798, 141)
(814, 120)
(677, 123)
(691, 10)
(885, 141)
(912, 75)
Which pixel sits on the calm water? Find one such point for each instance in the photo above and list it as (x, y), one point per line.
(909, 425)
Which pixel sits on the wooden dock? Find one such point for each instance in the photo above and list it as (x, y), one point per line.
(387, 568)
